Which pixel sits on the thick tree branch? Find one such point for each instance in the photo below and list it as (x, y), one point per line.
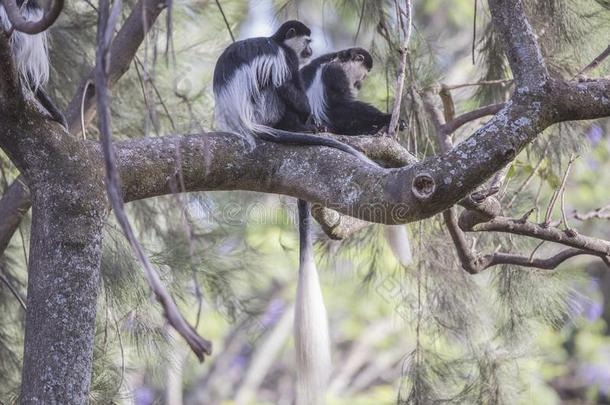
(335, 225)
(521, 47)
(386, 151)
(580, 101)
(339, 181)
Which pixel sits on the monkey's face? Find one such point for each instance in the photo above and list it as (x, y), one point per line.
(300, 44)
(356, 63)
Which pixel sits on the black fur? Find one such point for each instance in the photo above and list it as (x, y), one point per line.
(31, 5)
(308, 72)
(299, 28)
(296, 107)
(346, 115)
(46, 101)
(241, 53)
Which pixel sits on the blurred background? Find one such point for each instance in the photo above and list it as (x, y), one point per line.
(423, 334)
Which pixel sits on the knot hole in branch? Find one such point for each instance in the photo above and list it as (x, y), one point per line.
(423, 186)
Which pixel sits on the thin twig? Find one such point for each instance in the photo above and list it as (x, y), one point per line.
(159, 96)
(405, 24)
(529, 178)
(474, 32)
(481, 83)
(224, 17)
(457, 122)
(147, 103)
(599, 213)
(535, 250)
(361, 17)
(545, 264)
(595, 63)
(564, 219)
(82, 108)
(13, 291)
(557, 193)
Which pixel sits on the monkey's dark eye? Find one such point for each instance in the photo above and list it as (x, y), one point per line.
(291, 33)
(359, 58)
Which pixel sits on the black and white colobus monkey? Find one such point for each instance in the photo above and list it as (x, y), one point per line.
(332, 83)
(259, 94)
(31, 54)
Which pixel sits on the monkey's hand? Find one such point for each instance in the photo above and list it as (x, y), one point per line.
(310, 125)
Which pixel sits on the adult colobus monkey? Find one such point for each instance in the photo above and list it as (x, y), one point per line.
(259, 94)
(31, 54)
(332, 83)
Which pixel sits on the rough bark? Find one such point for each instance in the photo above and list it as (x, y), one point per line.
(69, 212)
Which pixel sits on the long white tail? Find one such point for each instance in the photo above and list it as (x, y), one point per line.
(398, 239)
(311, 336)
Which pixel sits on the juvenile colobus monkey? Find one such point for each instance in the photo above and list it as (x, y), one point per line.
(31, 54)
(332, 83)
(259, 94)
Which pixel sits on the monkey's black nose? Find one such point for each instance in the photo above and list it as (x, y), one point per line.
(307, 52)
(358, 84)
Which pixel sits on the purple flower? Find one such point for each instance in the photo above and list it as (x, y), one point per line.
(595, 135)
(143, 396)
(594, 311)
(596, 374)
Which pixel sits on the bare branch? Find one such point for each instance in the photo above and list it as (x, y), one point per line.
(521, 46)
(20, 24)
(335, 225)
(580, 101)
(598, 213)
(529, 178)
(516, 260)
(405, 24)
(465, 253)
(504, 82)
(224, 17)
(465, 118)
(557, 193)
(538, 231)
(595, 63)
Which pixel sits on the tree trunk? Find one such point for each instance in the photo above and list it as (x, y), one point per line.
(68, 214)
(62, 292)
